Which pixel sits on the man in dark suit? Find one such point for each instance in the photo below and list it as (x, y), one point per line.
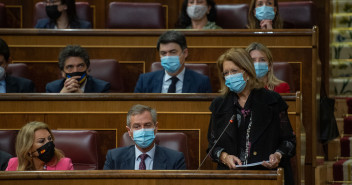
(8, 83)
(145, 154)
(74, 63)
(175, 78)
(4, 159)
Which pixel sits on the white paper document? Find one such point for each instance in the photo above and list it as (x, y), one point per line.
(250, 165)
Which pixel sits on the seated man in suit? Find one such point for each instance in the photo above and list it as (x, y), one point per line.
(4, 159)
(74, 63)
(175, 78)
(8, 83)
(145, 154)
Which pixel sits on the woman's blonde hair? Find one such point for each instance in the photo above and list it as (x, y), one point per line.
(272, 79)
(241, 59)
(24, 143)
(254, 23)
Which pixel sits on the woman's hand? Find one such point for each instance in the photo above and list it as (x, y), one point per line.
(266, 24)
(274, 160)
(230, 160)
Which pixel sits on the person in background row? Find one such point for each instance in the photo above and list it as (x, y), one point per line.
(4, 159)
(35, 150)
(176, 78)
(74, 64)
(260, 130)
(198, 14)
(62, 15)
(263, 64)
(142, 126)
(264, 14)
(8, 83)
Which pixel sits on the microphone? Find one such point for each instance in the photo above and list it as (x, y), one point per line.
(216, 141)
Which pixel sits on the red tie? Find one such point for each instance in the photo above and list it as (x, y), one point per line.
(142, 163)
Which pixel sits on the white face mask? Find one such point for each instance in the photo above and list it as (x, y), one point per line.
(197, 12)
(2, 73)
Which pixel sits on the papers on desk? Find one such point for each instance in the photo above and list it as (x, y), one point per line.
(250, 165)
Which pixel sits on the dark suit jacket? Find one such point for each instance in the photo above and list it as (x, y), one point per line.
(45, 23)
(193, 82)
(164, 159)
(16, 84)
(4, 159)
(267, 133)
(93, 85)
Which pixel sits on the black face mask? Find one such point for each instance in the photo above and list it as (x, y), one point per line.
(46, 152)
(52, 12)
(83, 76)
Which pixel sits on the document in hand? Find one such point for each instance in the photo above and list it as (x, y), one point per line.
(250, 165)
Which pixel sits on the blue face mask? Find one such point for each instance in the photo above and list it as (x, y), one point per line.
(143, 137)
(265, 13)
(171, 63)
(235, 82)
(261, 69)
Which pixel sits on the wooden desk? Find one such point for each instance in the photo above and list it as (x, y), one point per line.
(130, 177)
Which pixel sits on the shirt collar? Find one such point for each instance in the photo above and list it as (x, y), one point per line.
(150, 153)
(180, 76)
(83, 86)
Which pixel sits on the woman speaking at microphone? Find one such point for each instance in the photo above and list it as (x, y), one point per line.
(260, 130)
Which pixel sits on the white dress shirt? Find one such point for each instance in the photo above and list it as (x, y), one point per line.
(167, 82)
(148, 161)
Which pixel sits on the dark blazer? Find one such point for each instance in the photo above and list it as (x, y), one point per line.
(93, 85)
(4, 159)
(46, 23)
(193, 82)
(164, 159)
(267, 134)
(16, 84)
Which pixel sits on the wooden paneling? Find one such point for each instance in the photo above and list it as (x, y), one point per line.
(148, 177)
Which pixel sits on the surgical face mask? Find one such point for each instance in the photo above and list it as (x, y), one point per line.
(52, 12)
(171, 63)
(235, 82)
(2, 73)
(265, 13)
(197, 12)
(143, 137)
(46, 152)
(261, 69)
(83, 76)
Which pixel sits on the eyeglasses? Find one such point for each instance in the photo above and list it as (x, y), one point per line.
(231, 72)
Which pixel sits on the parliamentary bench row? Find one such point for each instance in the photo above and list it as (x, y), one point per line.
(128, 15)
(93, 144)
(185, 113)
(111, 71)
